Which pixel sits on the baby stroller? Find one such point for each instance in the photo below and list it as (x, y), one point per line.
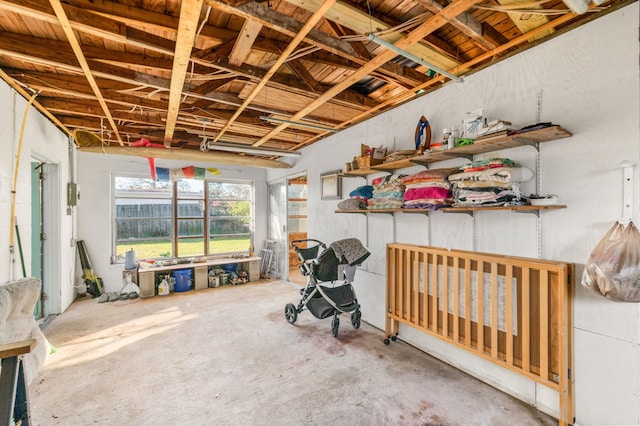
(336, 266)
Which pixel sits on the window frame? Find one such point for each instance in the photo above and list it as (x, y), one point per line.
(174, 219)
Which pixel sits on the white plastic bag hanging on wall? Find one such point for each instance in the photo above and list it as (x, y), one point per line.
(613, 268)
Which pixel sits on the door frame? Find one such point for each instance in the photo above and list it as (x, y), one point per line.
(284, 205)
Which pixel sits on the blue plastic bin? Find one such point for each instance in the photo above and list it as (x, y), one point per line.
(184, 279)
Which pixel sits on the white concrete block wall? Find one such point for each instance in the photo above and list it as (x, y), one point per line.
(95, 211)
(589, 82)
(42, 142)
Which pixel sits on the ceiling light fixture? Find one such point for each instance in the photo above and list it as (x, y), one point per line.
(250, 150)
(298, 123)
(412, 57)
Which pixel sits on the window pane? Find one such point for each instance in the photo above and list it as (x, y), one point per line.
(143, 211)
(297, 225)
(189, 247)
(229, 244)
(188, 208)
(191, 228)
(190, 188)
(297, 208)
(229, 191)
(229, 226)
(141, 187)
(229, 208)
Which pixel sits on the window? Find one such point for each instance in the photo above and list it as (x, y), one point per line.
(230, 224)
(211, 217)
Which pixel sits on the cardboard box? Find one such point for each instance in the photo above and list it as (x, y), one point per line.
(375, 156)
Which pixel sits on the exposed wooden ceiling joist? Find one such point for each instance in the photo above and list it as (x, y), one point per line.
(75, 45)
(242, 48)
(433, 23)
(311, 22)
(187, 27)
(234, 63)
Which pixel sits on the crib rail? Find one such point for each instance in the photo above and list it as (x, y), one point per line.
(515, 312)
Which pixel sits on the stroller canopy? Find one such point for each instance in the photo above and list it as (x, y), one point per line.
(350, 251)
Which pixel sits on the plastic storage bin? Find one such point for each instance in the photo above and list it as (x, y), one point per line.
(184, 279)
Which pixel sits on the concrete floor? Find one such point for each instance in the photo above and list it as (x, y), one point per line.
(227, 356)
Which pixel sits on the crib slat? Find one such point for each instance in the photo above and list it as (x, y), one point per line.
(406, 286)
(526, 321)
(480, 305)
(456, 299)
(544, 324)
(425, 293)
(509, 313)
(467, 302)
(494, 310)
(434, 296)
(400, 286)
(445, 296)
(415, 288)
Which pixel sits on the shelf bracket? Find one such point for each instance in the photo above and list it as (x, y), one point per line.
(459, 155)
(534, 212)
(536, 145)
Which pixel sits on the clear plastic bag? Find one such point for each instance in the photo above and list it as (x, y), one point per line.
(613, 268)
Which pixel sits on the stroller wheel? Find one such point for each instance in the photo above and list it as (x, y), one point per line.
(334, 326)
(355, 319)
(290, 313)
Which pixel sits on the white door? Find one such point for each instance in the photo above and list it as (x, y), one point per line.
(277, 264)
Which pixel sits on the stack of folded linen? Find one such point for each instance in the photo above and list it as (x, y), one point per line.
(493, 182)
(358, 200)
(428, 189)
(388, 193)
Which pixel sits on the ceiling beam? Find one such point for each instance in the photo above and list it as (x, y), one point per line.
(246, 38)
(430, 25)
(363, 23)
(75, 45)
(284, 24)
(298, 68)
(461, 68)
(308, 26)
(187, 27)
(136, 16)
(465, 22)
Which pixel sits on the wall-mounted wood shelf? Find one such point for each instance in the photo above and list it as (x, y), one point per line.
(480, 146)
(496, 143)
(457, 209)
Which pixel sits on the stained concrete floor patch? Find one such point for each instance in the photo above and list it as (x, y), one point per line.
(227, 356)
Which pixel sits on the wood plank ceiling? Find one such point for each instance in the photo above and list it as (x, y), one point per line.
(206, 73)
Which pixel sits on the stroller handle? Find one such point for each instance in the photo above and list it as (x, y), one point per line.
(294, 242)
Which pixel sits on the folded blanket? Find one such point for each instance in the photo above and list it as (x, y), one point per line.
(352, 204)
(365, 191)
(435, 174)
(482, 184)
(445, 185)
(487, 164)
(432, 192)
(387, 179)
(502, 174)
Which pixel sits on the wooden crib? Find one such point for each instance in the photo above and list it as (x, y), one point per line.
(524, 306)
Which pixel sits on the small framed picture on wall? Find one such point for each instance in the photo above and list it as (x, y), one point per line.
(331, 185)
